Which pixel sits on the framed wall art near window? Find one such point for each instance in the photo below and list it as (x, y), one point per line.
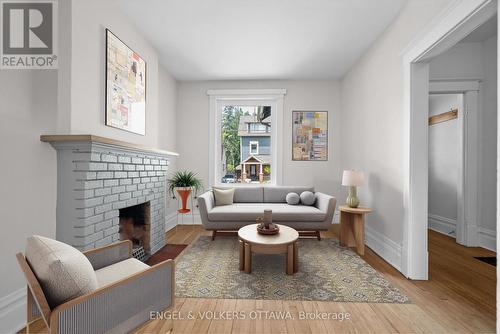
(310, 136)
(125, 87)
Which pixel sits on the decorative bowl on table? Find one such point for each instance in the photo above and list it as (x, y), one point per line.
(265, 225)
(273, 229)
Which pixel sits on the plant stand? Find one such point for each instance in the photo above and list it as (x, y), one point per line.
(182, 215)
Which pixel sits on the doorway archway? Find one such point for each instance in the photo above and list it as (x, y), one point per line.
(459, 21)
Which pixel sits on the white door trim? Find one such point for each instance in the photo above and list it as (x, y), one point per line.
(453, 24)
(468, 213)
(453, 86)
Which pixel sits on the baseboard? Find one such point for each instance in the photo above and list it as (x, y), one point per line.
(13, 311)
(487, 238)
(336, 217)
(174, 219)
(190, 219)
(442, 224)
(170, 221)
(387, 249)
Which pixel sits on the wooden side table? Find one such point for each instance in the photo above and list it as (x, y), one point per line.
(352, 227)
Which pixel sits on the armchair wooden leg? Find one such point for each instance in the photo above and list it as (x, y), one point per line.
(213, 234)
(318, 234)
(29, 315)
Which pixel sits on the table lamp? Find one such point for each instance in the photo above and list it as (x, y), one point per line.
(352, 179)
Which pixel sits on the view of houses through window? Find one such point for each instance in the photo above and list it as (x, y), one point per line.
(246, 144)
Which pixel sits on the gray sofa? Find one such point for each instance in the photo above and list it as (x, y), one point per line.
(250, 202)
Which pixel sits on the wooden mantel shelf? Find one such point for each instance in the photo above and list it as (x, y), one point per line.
(102, 140)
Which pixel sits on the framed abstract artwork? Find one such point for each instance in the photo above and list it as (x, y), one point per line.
(310, 136)
(125, 87)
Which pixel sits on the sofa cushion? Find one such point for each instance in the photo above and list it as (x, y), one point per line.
(250, 194)
(223, 196)
(250, 212)
(63, 271)
(119, 270)
(277, 194)
(247, 194)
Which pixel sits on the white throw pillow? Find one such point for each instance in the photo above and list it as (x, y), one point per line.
(293, 198)
(63, 271)
(307, 198)
(223, 196)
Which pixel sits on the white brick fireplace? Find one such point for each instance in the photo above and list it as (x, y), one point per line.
(96, 177)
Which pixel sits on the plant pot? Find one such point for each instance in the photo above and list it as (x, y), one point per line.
(184, 195)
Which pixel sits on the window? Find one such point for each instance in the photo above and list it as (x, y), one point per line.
(258, 127)
(245, 137)
(245, 154)
(254, 147)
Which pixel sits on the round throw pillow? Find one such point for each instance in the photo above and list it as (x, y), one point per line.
(292, 198)
(307, 198)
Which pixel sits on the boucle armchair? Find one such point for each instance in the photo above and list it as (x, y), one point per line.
(126, 290)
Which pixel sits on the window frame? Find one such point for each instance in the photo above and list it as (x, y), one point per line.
(241, 97)
(252, 142)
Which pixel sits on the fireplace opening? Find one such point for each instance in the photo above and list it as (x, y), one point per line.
(135, 226)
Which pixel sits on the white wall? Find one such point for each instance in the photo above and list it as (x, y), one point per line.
(488, 129)
(193, 138)
(167, 125)
(443, 164)
(463, 61)
(90, 18)
(28, 191)
(498, 176)
(477, 60)
(69, 100)
(372, 125)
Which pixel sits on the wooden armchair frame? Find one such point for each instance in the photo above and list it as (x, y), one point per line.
(38, 306)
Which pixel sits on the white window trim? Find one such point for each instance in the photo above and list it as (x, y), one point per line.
(221, 97)
(250, 146)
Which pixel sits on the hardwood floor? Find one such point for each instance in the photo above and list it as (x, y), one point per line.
(459, 297)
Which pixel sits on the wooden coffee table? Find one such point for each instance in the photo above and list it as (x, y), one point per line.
(283, 242)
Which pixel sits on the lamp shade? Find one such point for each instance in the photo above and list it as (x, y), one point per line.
(353, 178)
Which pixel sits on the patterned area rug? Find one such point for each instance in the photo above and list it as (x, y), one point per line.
(327, 271)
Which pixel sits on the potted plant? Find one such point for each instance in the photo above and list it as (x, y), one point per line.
(184, 182)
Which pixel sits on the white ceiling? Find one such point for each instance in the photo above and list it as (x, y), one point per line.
(483, 32)
(260, 39)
